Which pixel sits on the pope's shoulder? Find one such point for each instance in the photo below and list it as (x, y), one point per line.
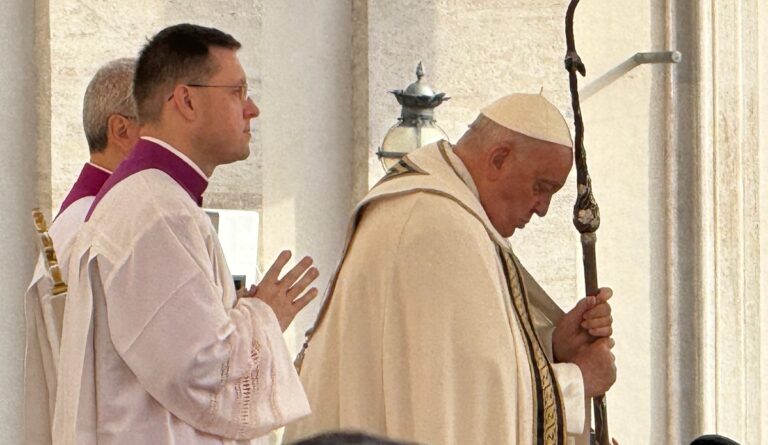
(424, 214)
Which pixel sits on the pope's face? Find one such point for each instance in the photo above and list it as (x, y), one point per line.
(225, 127)
(524, 183)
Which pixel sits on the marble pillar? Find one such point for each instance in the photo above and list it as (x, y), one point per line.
(712, 249)
(18, 183)
(306, 123)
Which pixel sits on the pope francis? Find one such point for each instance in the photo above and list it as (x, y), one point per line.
(432, 331)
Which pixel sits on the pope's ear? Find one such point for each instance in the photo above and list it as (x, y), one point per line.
(497, 156)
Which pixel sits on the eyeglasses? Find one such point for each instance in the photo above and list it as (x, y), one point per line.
(242, 92)
(242, 88)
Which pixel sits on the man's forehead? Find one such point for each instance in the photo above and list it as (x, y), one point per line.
(554, 164)
(227, 63)
(544, 156)
(539, 144)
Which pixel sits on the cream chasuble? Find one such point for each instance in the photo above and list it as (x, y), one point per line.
(156, 348)
(430, 335)
(43, 311)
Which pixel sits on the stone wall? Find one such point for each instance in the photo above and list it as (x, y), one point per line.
(762, 391)
(84, 35)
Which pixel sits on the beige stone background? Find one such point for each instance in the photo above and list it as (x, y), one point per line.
(677, 155)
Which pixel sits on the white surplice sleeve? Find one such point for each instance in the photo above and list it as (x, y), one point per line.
(223, 370)
(39, 372)
(571, 385)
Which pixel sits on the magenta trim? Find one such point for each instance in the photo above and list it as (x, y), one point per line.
(89, 183)
(148, 155)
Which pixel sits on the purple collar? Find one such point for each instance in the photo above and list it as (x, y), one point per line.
(89, 183)
(149, 155)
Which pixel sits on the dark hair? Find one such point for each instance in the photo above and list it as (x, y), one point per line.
(348, 438)
(177, 54)
(713, 439)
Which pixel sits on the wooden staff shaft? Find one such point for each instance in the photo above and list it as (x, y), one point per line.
(586, 213)
(600, 406)
(590, 262)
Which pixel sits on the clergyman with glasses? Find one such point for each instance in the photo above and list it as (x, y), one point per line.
(172, 355)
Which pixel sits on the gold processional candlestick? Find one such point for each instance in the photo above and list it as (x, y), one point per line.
(586, 213)
(49, 254)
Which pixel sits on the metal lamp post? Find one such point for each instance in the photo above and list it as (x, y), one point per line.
(416, 125)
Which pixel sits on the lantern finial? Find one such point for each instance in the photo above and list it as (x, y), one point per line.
(416, 125)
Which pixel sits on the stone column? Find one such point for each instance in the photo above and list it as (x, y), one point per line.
(763, 227)
(17, 182)
(306, 127)
(735, 265)
(712, 255)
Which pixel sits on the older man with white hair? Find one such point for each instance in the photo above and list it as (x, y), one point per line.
(111, 129)
(432, 330)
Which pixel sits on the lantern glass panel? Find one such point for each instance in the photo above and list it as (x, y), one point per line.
(405, 139)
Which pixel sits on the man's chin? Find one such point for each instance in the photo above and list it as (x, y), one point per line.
(507, 233)
(244, 153)
(236, 157)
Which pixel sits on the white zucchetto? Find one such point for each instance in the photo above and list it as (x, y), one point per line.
(532, 115)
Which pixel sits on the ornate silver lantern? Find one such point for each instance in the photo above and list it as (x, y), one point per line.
(416, 125)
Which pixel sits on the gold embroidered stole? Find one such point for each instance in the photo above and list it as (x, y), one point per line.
(548, 408)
